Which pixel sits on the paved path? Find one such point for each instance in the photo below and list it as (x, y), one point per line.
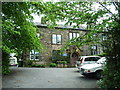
(47, 78)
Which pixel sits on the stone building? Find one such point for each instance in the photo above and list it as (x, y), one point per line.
(55, 39)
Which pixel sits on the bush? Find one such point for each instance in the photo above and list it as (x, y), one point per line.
(62, 62)
(38, 65)
(53, 64)
(34, 65)
(5, 63)
(5, 70)
(41, 65)
(57, 57)
(103, 54)
(28, 63)
(110, 75)
(111, 72)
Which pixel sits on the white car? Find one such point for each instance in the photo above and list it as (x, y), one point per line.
(95, 69)
(86, 60)
(13, 61)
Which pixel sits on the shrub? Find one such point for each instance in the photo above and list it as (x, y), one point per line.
(53, 65)
(110, 75)
(62, 62)
(28, 63)
(42, 65)
(34, 65)
(5, 63)
(38, 65)
(5, 70)
(57, 57)
(103, 54)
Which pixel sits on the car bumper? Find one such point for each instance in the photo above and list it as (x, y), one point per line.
(13, 64)
(84, 72)
(78, 66)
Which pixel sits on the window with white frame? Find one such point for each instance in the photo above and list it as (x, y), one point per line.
(56, 39)
(34, 55)
(104, 37)
(38, 34)
(73, 35)
(94, 50)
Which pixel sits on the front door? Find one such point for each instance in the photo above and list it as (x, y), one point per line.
(74, 58)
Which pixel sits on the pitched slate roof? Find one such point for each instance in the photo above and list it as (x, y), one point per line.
(61, 27)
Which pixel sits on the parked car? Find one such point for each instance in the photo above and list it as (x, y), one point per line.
(94, 69)
(13, 61)
(86, 60)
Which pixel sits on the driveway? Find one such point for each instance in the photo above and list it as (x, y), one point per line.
(47, 78)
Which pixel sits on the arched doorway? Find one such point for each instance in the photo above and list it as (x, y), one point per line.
(74, 58)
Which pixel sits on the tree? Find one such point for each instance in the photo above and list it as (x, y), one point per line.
(78, 13)
(112, 45)
(100, 20)
(19, 34)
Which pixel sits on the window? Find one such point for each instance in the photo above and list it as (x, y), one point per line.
(56, 39)
(104, 37)
(88, 59)
(92, 59)
(94, 50)
(56, 52)
(34, 55)
(73, 35)
(38, 34)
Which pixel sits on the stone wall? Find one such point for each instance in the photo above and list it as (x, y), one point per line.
(46, 40)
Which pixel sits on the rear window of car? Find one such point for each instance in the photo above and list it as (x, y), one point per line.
(92, 59)
(88, 59)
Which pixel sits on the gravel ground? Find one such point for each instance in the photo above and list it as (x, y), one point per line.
(46, 78)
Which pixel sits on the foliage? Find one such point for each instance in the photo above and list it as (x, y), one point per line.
(17, 15)
(112, 72)
(18, 31)
(34, 65)
(58, 57)
(53, 65)
(102, 54)
(61, 58)
(38, 65)
(5, 63)
(62, 62)
(28, 63)
(101, 20)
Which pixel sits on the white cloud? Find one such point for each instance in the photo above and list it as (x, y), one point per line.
(36, 18)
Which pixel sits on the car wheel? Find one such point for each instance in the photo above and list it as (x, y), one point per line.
(99, 74)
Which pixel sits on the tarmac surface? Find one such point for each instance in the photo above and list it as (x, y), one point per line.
(46, 78)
